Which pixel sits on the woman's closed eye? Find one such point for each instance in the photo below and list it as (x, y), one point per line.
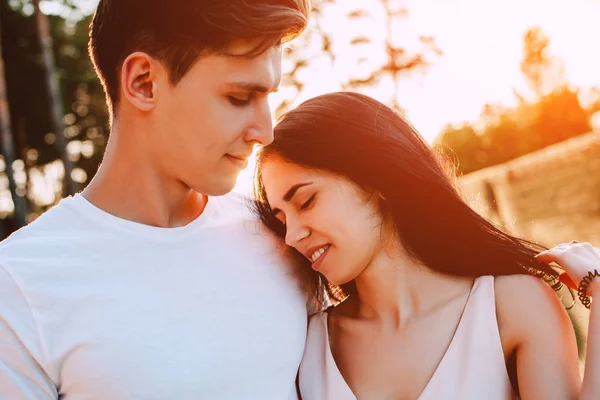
(308, 202)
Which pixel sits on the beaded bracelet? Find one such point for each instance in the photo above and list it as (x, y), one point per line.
(583, 287)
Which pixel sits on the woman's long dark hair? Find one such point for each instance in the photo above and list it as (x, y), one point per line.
(362, 139)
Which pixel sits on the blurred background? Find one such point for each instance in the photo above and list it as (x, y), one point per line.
(508, 90)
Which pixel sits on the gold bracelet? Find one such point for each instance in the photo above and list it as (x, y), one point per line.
(583, 288)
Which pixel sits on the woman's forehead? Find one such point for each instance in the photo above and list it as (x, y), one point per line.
(279, 176)
(285, 171)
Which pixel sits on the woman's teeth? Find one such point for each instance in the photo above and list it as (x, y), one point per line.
(317, 254)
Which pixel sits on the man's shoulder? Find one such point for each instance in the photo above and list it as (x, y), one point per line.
(237, 209)
(55, 225)
(237, 212)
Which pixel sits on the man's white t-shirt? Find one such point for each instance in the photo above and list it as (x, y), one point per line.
(97, 307)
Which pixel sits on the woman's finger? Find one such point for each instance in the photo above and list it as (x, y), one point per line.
(547, 256)
(566, 279)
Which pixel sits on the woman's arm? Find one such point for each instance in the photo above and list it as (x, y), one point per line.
(590, 389)
(578, 259)
(536, 330)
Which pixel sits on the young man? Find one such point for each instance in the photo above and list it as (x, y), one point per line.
(145, 286)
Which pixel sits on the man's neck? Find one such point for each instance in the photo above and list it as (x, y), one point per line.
(131, 186)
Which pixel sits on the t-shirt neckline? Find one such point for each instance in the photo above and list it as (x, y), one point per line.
(90, 210)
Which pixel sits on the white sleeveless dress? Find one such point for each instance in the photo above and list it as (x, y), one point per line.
(473, 367)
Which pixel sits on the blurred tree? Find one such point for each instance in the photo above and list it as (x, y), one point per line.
(557, 116)
(350, 47)
(86, 119)
(54, 93)
(29, 104)
(463, 146)
(7, 146)
(542, 71)
(502, 134)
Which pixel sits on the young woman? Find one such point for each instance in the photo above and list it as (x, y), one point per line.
(431, 301)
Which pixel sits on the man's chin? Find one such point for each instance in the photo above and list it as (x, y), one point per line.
(220, 192)
(220, 188)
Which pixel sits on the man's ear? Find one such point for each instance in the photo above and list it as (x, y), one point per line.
(138, 80)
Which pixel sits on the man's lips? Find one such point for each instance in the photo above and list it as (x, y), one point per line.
(239, 160)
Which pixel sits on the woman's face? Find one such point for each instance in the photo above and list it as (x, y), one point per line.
(328, 218)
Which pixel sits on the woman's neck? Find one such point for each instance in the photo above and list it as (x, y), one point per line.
(394, 288)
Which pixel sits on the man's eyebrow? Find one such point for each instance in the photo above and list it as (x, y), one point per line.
(252, 87)
(289, 195)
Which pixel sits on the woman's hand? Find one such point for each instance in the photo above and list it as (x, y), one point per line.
(577, 259)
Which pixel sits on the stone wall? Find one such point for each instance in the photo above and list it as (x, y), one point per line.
(550, 196)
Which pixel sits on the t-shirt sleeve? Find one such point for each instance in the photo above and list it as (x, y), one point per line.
(22, 375)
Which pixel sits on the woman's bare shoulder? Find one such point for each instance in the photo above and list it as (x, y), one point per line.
(527, 306)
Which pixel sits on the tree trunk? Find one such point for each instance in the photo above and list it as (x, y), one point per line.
(20, 202)
(54, 94)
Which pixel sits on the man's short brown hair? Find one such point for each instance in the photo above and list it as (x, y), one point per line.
(177, 32)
